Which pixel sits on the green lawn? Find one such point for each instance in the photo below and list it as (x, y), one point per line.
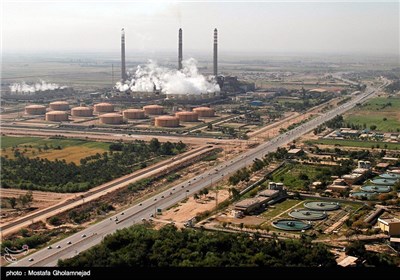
(382, 112)
(289, 175)
(10, 141)
(355, 143)
(279, 208)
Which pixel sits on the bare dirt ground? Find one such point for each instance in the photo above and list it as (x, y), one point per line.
(41, 200)
(191, 208)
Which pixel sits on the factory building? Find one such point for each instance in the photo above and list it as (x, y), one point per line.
(167, 121)
(389, 226)
(103, 108)
(153, 109)
(35, 110)
(111, 118)
(59, 106)
(82, 112)
(134, 114)
(204, 112)
(187, 116)
(56, 116)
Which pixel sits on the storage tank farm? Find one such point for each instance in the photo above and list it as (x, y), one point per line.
(35, 109)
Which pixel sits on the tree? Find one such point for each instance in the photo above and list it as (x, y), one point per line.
(26, 199)
(196, 196)
(209, 126)
(13, 202)
(154, 145)
(372, 127)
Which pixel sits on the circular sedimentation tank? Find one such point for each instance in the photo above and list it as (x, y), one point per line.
(291, 225)
(391, 176)
(35, 110)
(59, 106)
(104, 107)
(385, 182)
(134, 114)
(186, 116)
(111, 118)
(153, 109)
(322, 205)
(82, 111)
(365, 195)
(305, 214)
(56, 116)
(379, 189)
(204, 112)
(167, 121)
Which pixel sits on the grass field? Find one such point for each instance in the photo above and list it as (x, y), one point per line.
(289, 175)
(354, 143)
(279, 208)
(71, 150)
(377, 112)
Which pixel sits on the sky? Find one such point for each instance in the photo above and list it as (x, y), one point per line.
(248, 27)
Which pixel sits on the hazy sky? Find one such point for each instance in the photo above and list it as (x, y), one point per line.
(42, 26)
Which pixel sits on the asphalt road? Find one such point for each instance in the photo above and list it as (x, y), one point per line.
(95, 233)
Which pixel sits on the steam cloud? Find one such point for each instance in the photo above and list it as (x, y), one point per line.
(187, 81)
(42, 86)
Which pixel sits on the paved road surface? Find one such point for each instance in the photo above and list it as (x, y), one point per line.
(94, 234)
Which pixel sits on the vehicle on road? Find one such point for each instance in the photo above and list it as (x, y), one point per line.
(31, 260)
(49, 247)
(83, 235)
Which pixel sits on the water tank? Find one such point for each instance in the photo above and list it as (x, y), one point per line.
(167, 121)
(153, 109)
(59, 106)
(134, 114)
(186, 116)
(111, 118)
(103, 108)
(56, 116)
(204, 112)
(82, 112)
(35, 110)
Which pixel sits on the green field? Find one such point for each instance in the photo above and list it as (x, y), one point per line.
(289, 175)
(382, 112)
(355, 143)
(71, 150)
(278, 208)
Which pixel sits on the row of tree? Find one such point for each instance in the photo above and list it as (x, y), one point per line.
(139, 246)
(59, 176)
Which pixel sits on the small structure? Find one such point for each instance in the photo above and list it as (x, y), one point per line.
(322, 206)
(56, 116)
(35, 110)
(294, 152)
(390, 226)
(59, 106)
(339, 186)
(348, 261)
(249, 205)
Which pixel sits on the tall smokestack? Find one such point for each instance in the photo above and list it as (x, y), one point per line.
(123, 67)
(215, 52)
(180, 56)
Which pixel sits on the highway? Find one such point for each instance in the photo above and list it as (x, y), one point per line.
(94, 234)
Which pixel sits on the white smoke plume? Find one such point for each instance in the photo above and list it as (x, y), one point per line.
(41, 86)
(186, 81)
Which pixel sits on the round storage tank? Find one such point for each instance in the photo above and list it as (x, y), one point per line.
(134, 114)
(187, 116)
(167, 121)
(82, 112)
(153, 109)
(56, 116)
(59, 106)
(104, 108)
(204, 112)
(35, 110)
(111, 118)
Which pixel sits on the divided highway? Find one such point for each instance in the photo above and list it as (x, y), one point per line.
(143, 211)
